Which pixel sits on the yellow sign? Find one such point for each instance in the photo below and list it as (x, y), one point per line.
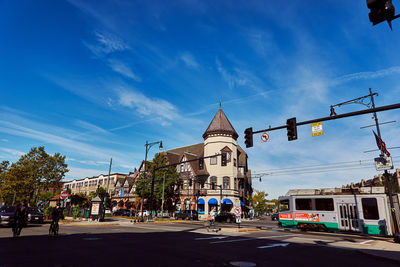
(316, 129)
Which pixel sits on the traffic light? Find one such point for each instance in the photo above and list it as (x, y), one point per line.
(381, 10)
(248, 137)
(291, 129)
(190, 182)
(213, 186)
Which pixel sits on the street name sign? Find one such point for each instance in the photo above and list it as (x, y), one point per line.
(316, 129)
(383, 163)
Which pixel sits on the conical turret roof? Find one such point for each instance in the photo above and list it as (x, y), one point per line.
(220, 125)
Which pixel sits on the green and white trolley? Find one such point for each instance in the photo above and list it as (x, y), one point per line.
(363, 209)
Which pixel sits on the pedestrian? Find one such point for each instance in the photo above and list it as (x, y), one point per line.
(212, 217)
(56, 215)
(20, 218)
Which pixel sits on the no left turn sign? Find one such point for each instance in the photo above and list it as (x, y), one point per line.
(264, 137)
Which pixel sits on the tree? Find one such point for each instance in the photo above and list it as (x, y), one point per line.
(33, 172)
(259, 201)
(167, 176)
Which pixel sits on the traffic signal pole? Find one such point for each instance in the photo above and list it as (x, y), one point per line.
(335, 117)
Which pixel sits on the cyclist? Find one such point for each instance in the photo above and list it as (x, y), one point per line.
(20, 218)
(56, 215)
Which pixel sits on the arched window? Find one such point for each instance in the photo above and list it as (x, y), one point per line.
(226, 184)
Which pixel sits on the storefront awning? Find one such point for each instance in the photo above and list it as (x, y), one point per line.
(201, 201)
(227, 201)
(213, 201)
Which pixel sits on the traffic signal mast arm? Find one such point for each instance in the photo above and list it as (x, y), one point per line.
(350, 114)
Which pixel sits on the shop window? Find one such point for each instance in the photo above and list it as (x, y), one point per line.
(284, 205)
(303, 204)
(200, 208)
(370, 208)
(324, 204)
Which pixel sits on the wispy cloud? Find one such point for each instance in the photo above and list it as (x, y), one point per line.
(146, 106)
(4, 140)
(106, 43)
(12, 151)
(79, 173)
(90, 127)
(367, 75)
(122, 68)
(189, 60)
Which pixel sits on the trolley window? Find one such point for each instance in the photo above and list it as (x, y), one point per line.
(284, 205)
(324, 204)
(370, 208)
(303, 204)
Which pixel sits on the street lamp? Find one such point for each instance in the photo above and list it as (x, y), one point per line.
(148, 146)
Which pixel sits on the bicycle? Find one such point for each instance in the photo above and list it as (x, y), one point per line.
(53, 230)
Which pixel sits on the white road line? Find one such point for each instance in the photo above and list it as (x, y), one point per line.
(365, 242)
(235, 240)
(275, 245)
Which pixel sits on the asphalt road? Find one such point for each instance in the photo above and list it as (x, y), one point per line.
(178, 244)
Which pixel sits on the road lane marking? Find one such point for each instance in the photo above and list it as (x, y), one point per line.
(275, 245)
(365, 242)
(235, 240)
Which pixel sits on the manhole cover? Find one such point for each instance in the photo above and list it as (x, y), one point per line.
(242, 263)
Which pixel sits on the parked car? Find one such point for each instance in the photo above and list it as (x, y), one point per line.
(187, 215)
(35, 215)
(225, 217)
(7, 215)
(122, 212)
(275, 217)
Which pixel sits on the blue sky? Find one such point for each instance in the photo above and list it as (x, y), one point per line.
(96, 79)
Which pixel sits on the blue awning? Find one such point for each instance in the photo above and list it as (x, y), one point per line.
(213, 201)
(241, 203)
(201, 201)
(227, 201)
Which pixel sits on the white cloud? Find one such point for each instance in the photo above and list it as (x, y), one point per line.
(123, 69)
(366, 75)
(91, 127)
(4, 140)
(189, 60)
(12, 151)
(79, 173)
(146, 106)
(106, 44)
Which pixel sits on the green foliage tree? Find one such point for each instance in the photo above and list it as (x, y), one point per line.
(167, 176)
(259, 201)
(33, 172)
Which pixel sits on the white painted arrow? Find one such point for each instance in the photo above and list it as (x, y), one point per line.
(275, 245)
(213, 237)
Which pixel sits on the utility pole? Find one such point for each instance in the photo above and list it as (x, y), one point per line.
(108, 183)
(386, 174)
(162, 202)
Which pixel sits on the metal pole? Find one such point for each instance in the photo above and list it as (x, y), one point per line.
(386, 174)
(152, 193)
(162, 203)
(108, 183)
(144, 178)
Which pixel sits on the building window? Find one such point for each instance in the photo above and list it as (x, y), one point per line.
(213, 182)
(303, 204)
(85, 184)
(370, 208)
(213, 161)
(181, 168)
(223, 159)
(234, 162)
(226, 183)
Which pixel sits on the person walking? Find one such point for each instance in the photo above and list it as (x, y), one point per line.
(20, 218)
(56, 215)
(212, 217)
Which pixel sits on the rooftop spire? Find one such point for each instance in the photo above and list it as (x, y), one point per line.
(220, 125)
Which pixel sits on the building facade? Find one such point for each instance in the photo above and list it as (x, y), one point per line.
(219, 182)
(90, 184)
